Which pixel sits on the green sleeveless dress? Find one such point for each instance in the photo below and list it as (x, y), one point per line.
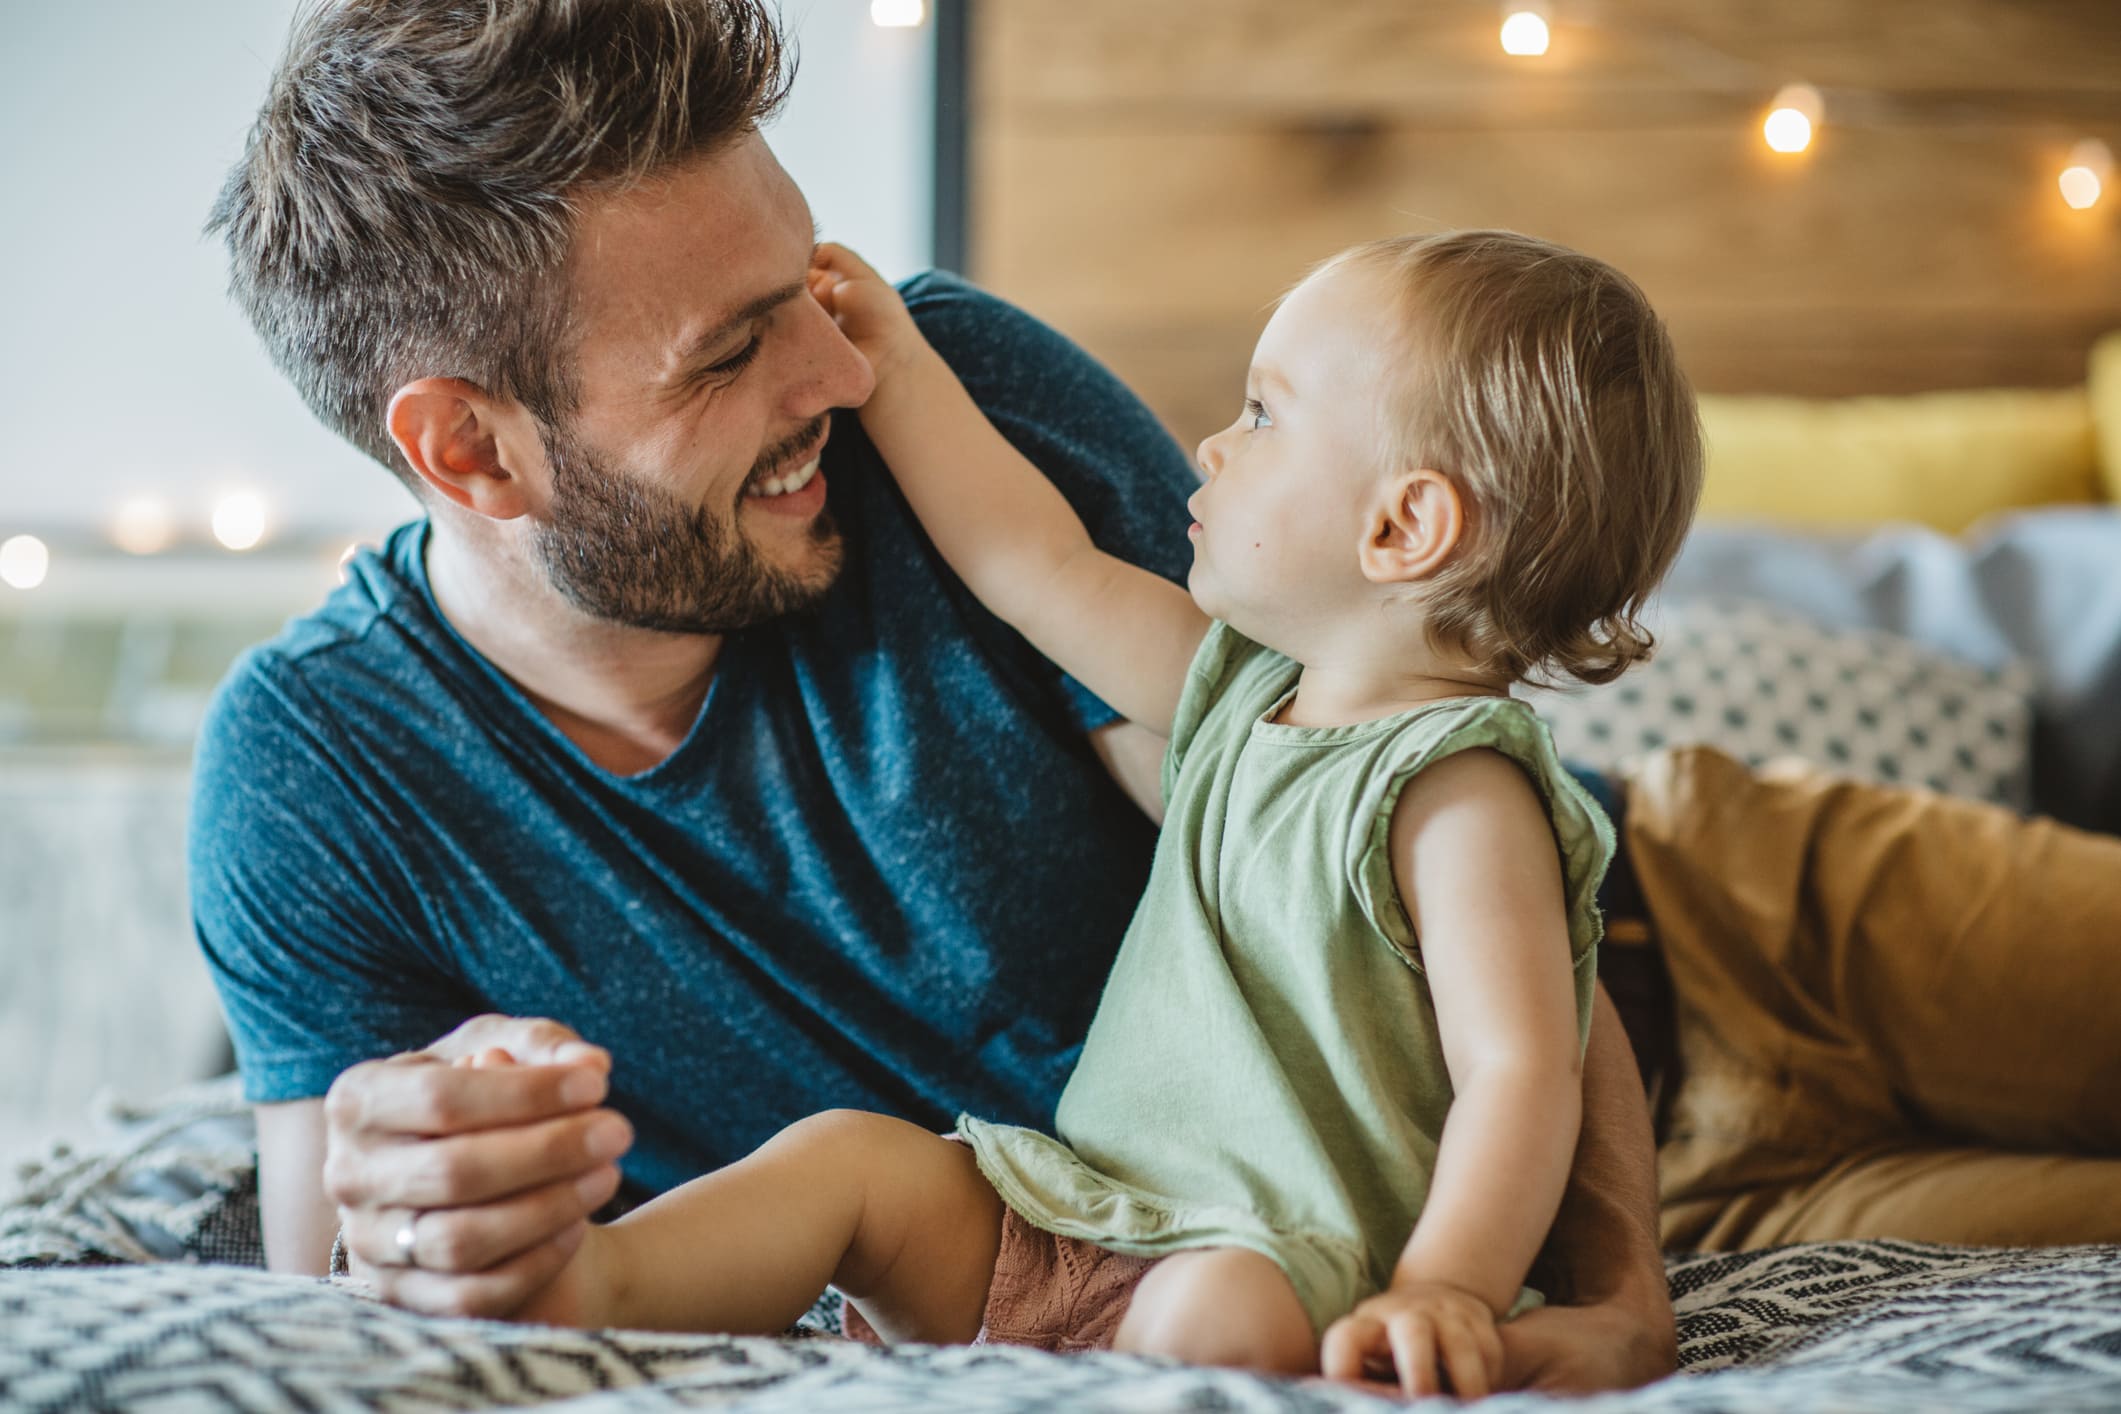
(1264, 1069)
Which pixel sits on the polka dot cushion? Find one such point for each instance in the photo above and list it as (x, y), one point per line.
(1761, 683)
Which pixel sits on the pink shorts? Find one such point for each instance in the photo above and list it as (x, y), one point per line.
(1050, 1293)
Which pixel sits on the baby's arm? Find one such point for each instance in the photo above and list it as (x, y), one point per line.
(1474, 857)
(1126, 634)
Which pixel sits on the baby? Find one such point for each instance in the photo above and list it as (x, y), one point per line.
(1326, 1110)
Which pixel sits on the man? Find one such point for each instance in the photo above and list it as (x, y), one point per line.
(666, 722)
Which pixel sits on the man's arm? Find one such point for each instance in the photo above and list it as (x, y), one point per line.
(299, 1220)
(1612, 1325)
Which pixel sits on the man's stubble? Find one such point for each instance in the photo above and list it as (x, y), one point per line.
(629, 552)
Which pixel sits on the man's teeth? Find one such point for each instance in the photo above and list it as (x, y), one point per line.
(781, 485)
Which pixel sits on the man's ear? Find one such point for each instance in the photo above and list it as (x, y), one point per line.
(457, 437)
(1413, 528)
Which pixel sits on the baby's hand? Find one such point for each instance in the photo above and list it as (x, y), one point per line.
(866, 307)
(1417, 1328)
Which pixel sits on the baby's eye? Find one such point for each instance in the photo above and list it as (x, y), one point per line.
(1256, 413)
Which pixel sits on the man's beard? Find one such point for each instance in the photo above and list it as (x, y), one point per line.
(634, 554)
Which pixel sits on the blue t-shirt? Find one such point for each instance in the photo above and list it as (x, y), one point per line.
(884, 870)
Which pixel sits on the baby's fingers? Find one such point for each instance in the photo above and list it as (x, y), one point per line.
(1349, 1343)
(842, 263)
(1414, 1352)
(1472, 1357)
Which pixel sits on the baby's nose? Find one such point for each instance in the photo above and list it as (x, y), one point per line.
(1207, 459)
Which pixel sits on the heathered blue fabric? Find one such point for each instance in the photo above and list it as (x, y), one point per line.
(884, 870)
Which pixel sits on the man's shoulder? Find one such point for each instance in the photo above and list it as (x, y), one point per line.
(948, 306)
(1007, 357)
(1059, 405)
(327, 660)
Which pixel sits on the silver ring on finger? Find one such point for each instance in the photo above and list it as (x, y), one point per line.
(407, 1240)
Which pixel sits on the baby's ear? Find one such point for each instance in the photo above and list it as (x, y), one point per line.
(1412, 528)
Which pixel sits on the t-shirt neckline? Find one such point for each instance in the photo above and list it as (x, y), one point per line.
(414, 569)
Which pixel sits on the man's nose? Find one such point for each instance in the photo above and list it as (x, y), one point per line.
(833, 373)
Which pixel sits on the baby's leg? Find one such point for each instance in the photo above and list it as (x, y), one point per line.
(1220, 1306)
(897, 1217)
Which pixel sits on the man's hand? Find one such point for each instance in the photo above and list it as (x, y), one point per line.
(1418, 1328)
(866, 307)
(463, 1188)
(1586, 1349)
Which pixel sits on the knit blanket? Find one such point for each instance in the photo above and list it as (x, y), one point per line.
(119, 1291)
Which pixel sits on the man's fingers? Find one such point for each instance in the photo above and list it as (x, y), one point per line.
(498, 1292)
(1414, 1352)
(404, 1096)
(477, 1167)
(474, 1239)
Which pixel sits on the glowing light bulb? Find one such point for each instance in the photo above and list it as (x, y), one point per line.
(24, 560)
(143, 525)
(1793, 116)
(1787, 130)
(1524, 33)
(2091, 166)
(897, 14)
(239, 520)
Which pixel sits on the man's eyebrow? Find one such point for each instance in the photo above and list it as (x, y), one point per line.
(697, 349)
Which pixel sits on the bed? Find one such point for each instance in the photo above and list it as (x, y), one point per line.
(128, 1269)
(129, 1285)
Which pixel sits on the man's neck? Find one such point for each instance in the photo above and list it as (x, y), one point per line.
(627, 697)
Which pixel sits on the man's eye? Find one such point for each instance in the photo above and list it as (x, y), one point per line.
(736, 362)
(1257, 413)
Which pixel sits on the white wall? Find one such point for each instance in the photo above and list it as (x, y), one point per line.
(123, 369)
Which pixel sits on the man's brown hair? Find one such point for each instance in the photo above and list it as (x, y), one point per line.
(406, 200)
(1543, 384)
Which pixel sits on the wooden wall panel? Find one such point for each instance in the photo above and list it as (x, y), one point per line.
(1149, 176)
(1425, 55)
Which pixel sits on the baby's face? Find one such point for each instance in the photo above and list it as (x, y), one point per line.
(1290, 482)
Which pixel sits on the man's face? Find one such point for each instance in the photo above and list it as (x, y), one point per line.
(685, 494)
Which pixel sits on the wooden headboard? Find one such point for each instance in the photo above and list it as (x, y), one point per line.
(1149, 174)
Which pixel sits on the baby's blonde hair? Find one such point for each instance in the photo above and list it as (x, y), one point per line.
(1542, 383)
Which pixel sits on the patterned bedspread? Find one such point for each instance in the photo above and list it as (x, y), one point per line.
(108, 1304)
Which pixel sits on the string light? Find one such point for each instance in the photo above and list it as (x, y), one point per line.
(143, 525)
(1525, 34)
(897, 14)
(24, 560)
(239, 520)
(1795, 111)
(2082, 181)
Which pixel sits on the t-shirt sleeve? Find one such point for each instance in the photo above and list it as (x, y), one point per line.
(297, 903)
(1104, 451)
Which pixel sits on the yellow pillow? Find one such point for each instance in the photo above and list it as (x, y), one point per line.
(1941, 459)
(2105, 392)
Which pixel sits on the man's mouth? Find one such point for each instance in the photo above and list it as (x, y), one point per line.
(786, 484)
